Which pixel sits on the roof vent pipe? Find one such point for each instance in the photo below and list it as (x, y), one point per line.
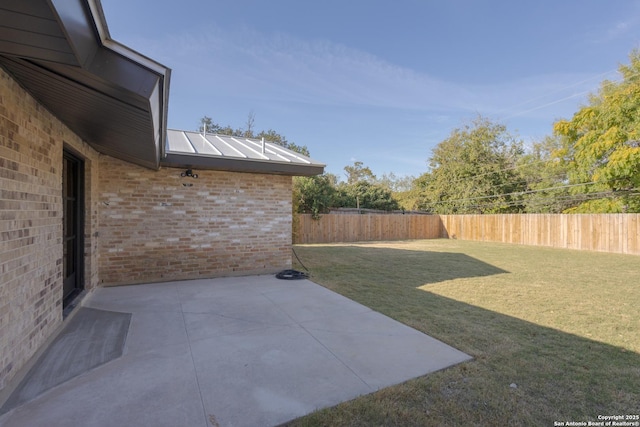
(263, 145)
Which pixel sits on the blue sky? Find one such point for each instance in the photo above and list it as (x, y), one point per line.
(377, 81)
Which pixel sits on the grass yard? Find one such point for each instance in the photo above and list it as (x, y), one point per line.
(555, 334)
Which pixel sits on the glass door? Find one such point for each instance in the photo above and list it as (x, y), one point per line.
(72, 199)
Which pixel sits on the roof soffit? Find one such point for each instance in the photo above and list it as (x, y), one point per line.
(111, 96)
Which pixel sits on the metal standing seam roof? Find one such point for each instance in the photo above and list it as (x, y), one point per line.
(232, 153)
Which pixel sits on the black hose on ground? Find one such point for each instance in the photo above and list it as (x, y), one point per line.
(292, 275)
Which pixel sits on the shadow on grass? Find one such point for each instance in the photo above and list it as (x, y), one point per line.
(522, 373)
(417, 267)
(558, 376)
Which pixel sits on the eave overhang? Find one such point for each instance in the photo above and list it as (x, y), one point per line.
(201, 161)
(111, 96)
(235, 154)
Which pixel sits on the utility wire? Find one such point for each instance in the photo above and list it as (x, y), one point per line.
(538, 203)
(491, 196)
(553, 200)
(524, 192)
(558, 177)
(466, 178)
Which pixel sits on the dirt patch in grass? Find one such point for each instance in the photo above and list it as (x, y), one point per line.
(555, 334)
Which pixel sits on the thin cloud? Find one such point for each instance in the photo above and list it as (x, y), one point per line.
(621, 29)
(280, 68)
(330, 89)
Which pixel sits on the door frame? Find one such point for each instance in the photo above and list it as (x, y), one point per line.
(77, 255)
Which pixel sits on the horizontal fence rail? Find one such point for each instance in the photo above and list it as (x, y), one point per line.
(617, 233)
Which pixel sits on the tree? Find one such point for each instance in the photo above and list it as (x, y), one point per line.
(402, 189)
(396, 184)
(248, 130)
(314, 194)
(274, 137)
(546, 178)
(366, 195)
(602, 141)
(358, 172)
(208, 125)
(474, 171)
(363, 190)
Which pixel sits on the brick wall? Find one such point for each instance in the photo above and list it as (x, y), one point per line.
(158, 226)
(31, 147)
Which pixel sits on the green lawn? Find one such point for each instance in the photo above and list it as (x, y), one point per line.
(555, 334)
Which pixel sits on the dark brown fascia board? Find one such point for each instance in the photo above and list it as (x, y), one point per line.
(199, 161)
(161, 87)
(142, 60)
(157, 95)
(96, 62)
(78, 27)
(89, 37)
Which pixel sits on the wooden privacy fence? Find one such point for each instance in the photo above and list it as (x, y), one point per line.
(331, 228)
(617, 233)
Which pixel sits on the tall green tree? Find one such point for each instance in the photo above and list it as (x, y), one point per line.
(365, 195)
(546, 178)
(602, 141)
(396, 183)
(402, 189)
(474, 170)
(358, 172)
(314, 194)
(362, 189)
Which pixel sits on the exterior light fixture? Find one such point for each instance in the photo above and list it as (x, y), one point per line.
(190, 173)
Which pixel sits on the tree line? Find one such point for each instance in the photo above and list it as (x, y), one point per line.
(589, 164)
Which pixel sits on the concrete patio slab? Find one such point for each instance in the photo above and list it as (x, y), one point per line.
(247, 351)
